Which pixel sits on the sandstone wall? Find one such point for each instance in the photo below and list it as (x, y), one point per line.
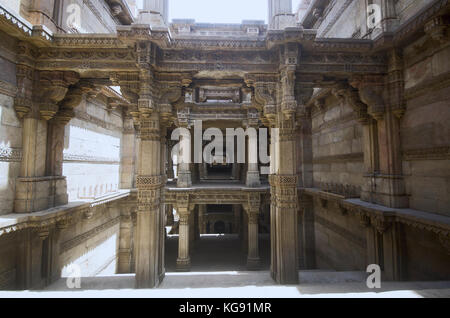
(10, 126)
(340, 240)
(337, 146)
(92, 151)
(425, 129)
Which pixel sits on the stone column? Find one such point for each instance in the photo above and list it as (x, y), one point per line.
(192, 229)
(391, 247)
(385, 103)
(201, 219)
(252, 179)
(244, 240)
(253, 210)
(237, 218)
(184, 260)
(170, 172)
(150, 185)
(125, 240)
(155, 12)
(128, 157)
(162, 218)
(184, 161)
(42, 140)
(280, 14)
(307, 253)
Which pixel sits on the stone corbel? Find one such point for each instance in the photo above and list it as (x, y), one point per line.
(381, 224)
(303, 95)
(169, 96)
(51, 89)
(352, 97)
(437, 28)
(265, 96)
(62, 224)
(320, 104)
(71, 100)
(43, 232)
(364, 219)
(87, 213)
(371, 90)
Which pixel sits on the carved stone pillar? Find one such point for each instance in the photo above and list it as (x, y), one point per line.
(128, 160)
(253, 210)
(125, 241)
(284, 183)
(184, 160)
(201, 218)
(253, 178)
(170, 172)
(307, 252)
(36, 191)
(155, 12)
(244, 240)
(237, 218)
(150, 182)
(391, 246)
(183, 260)
(382, 150)
(280, 14)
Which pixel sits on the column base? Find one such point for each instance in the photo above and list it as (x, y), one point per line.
(183, 265)
(253, 264)
(184, 180)
(253, 179)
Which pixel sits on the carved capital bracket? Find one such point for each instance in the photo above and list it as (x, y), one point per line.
(437, 28)
(252, 207)
(371, 90)
(381, 224)
(50, 89)
(264, 96)
(351, 96)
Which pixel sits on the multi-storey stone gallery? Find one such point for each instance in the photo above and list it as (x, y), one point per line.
(354, 96)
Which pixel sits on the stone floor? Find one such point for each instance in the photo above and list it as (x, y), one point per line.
(218, 270)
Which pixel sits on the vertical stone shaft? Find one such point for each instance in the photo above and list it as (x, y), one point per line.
(184, 260)
(285, 182)
(280, 14)
(149, 184)
(253, 178)
(253, 260)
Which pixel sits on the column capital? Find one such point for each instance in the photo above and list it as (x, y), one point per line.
(371, 90)
(50, 89)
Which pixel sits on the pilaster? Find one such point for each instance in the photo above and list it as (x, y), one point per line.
(253, 209)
